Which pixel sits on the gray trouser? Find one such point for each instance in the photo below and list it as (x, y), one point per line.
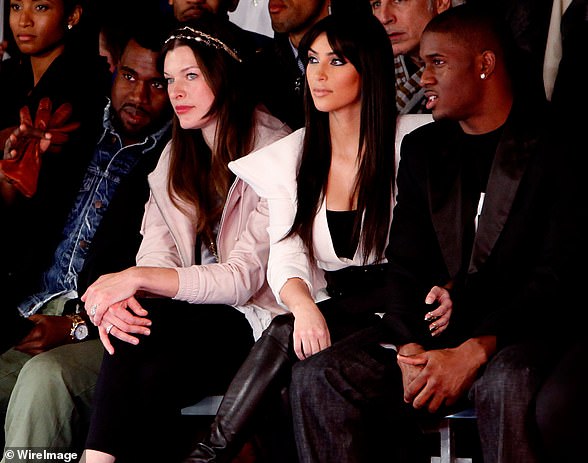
(49, 401)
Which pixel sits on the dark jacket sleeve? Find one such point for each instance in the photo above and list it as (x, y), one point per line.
(117, 239)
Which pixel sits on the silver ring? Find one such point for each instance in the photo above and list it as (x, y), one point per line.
(93, 309)
(109, 328)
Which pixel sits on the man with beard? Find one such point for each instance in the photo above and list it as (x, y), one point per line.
(49, 375)
(187, 10)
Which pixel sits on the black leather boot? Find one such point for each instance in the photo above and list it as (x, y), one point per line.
(259, 375)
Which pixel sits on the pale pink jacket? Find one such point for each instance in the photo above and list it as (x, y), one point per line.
(239, 279)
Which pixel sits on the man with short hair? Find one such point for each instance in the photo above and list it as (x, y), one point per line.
(404, 22)
(187, 10)
(49, 376)
(485, 209)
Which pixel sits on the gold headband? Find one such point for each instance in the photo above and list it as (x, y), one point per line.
(206, 39)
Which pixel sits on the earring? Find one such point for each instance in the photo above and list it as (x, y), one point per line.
(482, 76)
(70, 27)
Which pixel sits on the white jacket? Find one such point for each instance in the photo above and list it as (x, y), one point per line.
(271, 171)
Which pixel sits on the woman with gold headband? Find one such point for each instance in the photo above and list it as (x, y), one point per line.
(178, 324)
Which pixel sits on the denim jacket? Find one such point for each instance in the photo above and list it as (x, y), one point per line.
(110, 164)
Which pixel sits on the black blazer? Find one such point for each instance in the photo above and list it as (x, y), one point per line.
(521, 264)
(282, 82)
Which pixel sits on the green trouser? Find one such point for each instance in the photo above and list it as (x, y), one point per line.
(48, 404)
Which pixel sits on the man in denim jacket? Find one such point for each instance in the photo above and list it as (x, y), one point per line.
(49, 374)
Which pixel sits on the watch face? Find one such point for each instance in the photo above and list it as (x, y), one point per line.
(81, 332)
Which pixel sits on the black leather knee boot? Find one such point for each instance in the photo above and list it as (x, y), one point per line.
(260, 373)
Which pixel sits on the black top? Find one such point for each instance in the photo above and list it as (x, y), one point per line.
(341, 228)
(282, 82)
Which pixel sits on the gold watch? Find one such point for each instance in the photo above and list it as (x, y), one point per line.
(79, 329)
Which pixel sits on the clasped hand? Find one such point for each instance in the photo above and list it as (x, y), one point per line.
(435, 378)
(111, 305)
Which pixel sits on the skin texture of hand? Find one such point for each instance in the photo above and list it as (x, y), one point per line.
(49, 332)
(311, 334)
(441, 377)
(113, 288)
(108, 290)
(440, 316)
(123, 318)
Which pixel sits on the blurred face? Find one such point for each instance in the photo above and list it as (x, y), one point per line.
(185, 10)
(334, 83)
(296, 16)
(451, 78)
(38, 26)
(138, 93)
(405, 20)
(189, 93)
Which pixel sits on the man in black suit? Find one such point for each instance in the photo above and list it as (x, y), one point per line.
(487, 207)
(283, 73)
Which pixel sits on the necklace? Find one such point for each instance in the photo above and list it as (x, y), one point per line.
(212, 249)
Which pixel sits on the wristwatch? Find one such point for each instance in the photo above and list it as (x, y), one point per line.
(79, 329)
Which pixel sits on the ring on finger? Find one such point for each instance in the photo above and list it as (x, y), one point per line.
(430, 317)
(93, 309)
(109, 328)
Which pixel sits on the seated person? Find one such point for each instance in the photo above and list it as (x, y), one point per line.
(50, 374)
(329, 188)
(404, 23)
(200, 278)
(485, 208)
(52, 62)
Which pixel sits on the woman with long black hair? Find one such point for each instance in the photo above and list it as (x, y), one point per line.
(330, 194)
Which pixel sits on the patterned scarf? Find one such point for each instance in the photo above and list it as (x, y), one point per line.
(410, 97)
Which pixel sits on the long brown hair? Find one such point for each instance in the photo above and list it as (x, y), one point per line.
(199, 179)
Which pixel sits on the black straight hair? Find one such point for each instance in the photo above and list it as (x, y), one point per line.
(361, 40)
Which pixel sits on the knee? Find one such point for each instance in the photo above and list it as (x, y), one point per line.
(42, 372)
(559, 407)
(309, 374)
(281, 328)
(549, 405)
(509, 373)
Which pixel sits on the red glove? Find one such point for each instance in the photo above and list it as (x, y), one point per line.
(23, 168)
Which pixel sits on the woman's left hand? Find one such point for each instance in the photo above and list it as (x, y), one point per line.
(108, 290)
(122, 319)
(440, 316)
